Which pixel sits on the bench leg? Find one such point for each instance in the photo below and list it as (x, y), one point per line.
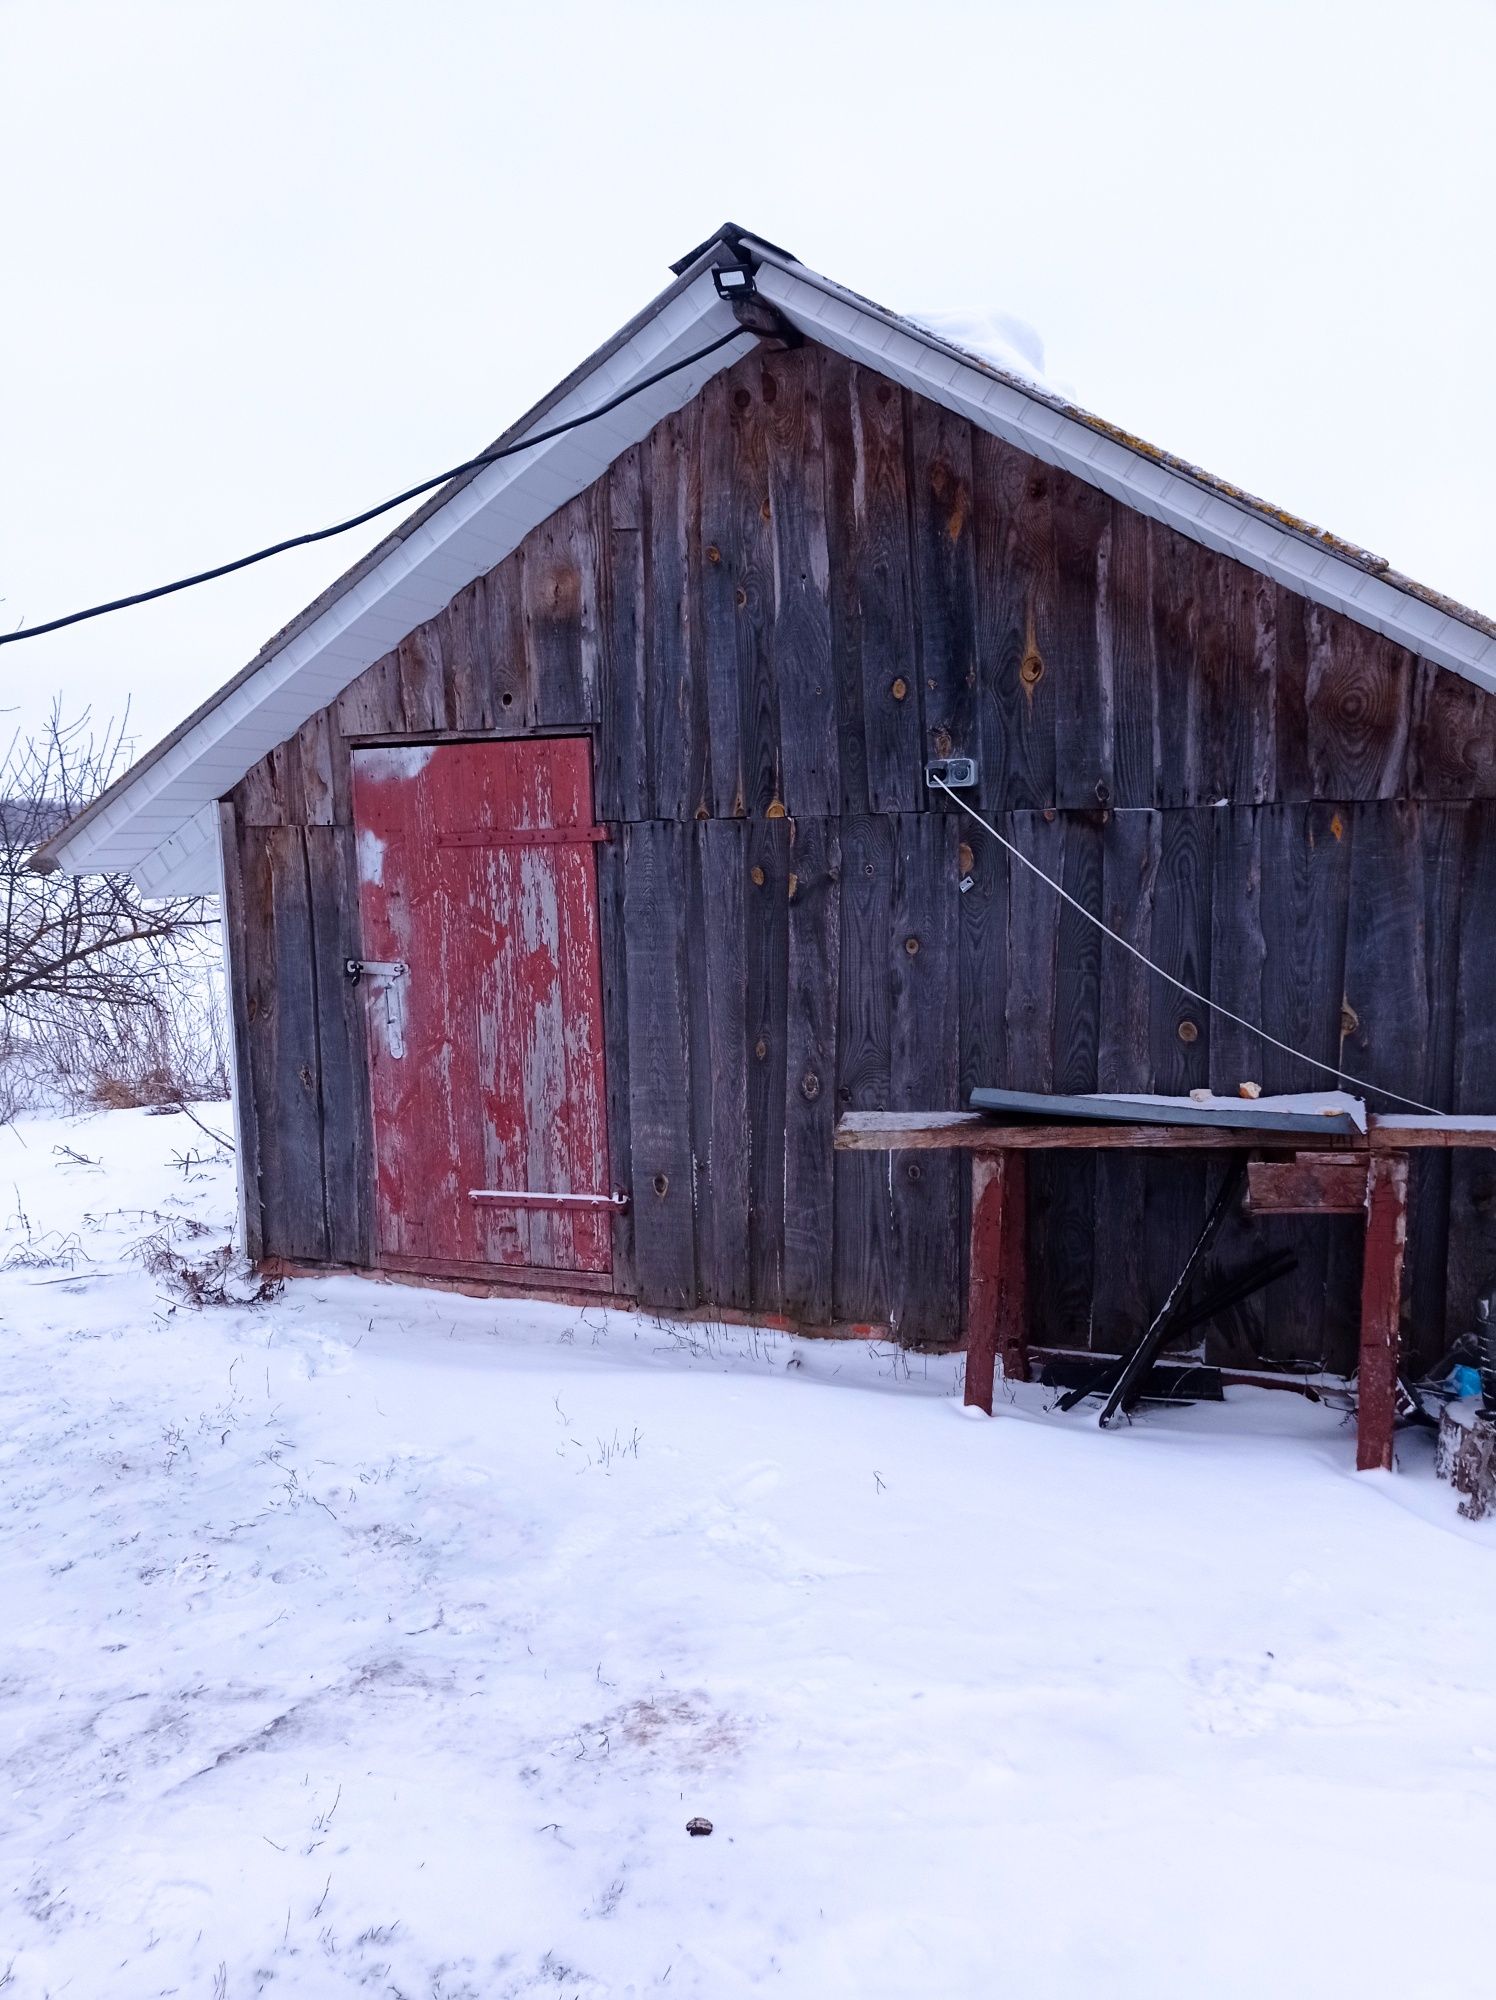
(1381, 1299)
(996, 1302)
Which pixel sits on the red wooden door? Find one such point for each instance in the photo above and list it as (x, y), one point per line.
(478, 901)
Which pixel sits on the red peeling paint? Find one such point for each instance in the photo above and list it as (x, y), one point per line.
(486, 1056)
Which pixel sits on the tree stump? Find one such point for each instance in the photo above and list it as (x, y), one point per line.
(1467, 1457)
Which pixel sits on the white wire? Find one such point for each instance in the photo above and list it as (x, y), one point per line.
(1344, 1075)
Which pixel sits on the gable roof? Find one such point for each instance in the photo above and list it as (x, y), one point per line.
(158, 821)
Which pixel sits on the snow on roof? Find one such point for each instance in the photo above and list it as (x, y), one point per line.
(1000, 339)
(159, 820)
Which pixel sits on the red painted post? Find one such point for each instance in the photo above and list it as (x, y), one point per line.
(1381, 1297)
(996, 1318)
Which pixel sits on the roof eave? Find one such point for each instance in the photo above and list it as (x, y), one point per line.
(54, 853)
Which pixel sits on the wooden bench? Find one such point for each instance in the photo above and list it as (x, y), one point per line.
(1286, 1176)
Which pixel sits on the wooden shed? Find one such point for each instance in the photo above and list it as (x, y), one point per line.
(580, 866)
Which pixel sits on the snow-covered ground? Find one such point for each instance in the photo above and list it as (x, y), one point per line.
(376, 1641)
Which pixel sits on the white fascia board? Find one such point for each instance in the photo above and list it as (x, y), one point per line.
(1132, 477)
(481, 524)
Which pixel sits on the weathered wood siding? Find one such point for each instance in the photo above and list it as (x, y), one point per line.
(766, 617)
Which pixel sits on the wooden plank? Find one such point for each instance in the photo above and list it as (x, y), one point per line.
(733, 589)
(717, 953)
(766, 920)
(260, 797)
(1308, 1184)
(1255, 629)
(944, 577)
(1128, 626)
(512, 700)
(1121, 1306)
(247, 1107)
(760, 779)
(1452, 741)
(1358, 699)
(281, 1012)
(1399, 1132)
(1082, 654)
(1016, 588)
(568, 1086)
(613, 935)
(860, 1242)
(347, 1142)
(872, 607)
(810, 784)
(675, 685)
(423, 689)
(659, 1065)
(1236, 639)
(1176, 570)
(971, 1131)
(1063, 1224)
(370, 705)
(1237, 953)
(1235, 693)
(719, 595)
(621, 778)
(1032, 1007)
(1441, 832)
(1386, 1028)
(1033, 944)
(982, 882)
(926, 1205)
(1254, 897)
(466, 666)
(1294, 778)
(813, 894)
(842, 439)
(1304, 866)
(1472, 1201)
(1013, 1272)
(1381, 1295)
(1177, 1193)
(503, 1280)
(323, 757)
(559, 596)
(1179, 1027)
(985, 1265)
(997, 1291)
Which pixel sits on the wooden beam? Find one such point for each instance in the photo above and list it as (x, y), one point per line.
(996, 1298)
(1381, 1299)
(1404, 1131)
(1308, 1184)
(974, 1132)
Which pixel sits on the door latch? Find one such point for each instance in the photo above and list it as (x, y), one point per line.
(392, 972)
(375, 968)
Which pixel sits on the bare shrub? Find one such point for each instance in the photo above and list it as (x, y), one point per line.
(108, 998)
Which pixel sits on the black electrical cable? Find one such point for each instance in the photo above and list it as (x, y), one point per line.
(371, 513)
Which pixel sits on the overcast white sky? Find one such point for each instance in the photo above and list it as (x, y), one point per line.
(264, 263)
